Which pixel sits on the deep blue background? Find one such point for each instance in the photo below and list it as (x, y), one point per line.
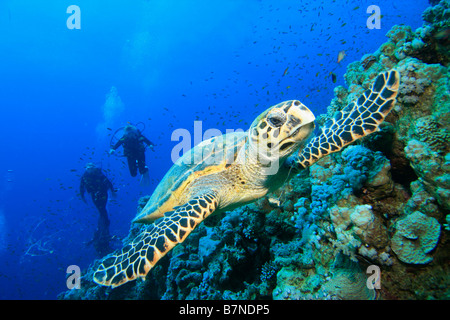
(172, 62)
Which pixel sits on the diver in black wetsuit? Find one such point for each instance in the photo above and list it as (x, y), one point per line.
(133, 143)
(97, 184)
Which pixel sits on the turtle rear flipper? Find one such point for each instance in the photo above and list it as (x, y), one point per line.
(358, 119)
(137, 258)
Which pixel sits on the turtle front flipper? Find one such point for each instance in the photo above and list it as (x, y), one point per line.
(137, 258)
(358, 119)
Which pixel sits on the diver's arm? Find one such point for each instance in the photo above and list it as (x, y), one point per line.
(118, 144)
(147, 142)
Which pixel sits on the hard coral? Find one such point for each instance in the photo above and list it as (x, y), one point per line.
(388, 49)
(349, 285)
(355, 225)
(438, 14)
(415, 79)
(399, 34)
(432, 168)
(416, 236)
(429, 130)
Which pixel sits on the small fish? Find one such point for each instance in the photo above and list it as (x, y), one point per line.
(285, 71)
(333, 77)
(109, 129)
(274, 202)
(341, 56)
(73, 170)
(442, 35)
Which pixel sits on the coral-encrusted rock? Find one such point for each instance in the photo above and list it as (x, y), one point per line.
(432, 168)
(381, 185)
(416, 236)
(438, 15)
(424, 125)
(416, 77)
(422, 201)
(360, 222)
(400, 34)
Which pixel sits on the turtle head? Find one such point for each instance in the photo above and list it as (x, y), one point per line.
(281, 129)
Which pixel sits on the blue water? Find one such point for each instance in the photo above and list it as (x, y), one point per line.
(171, 62)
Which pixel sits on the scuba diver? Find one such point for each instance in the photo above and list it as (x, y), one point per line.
(133, 143)
(97, 184)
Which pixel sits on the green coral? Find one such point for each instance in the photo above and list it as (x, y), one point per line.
(415, 237)
(421, 201)
(400, 34)
(429, 130)
(438, 15)
(388, 48)
(432, 168)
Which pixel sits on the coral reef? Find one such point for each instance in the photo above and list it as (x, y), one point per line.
(379, 203)
(416, 235)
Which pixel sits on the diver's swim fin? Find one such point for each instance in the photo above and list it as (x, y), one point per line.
(145, 179)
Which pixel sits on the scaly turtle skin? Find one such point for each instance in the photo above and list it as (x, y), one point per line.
(231, 170)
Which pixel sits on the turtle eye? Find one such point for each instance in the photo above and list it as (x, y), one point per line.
(276, 120)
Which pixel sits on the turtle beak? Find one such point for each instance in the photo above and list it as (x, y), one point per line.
(308, 127)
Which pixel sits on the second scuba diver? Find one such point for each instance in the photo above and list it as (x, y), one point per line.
(133, 143)
(95, 183)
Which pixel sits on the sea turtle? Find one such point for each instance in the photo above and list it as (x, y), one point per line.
(229, 171)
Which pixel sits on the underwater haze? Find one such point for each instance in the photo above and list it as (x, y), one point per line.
(70, 80)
